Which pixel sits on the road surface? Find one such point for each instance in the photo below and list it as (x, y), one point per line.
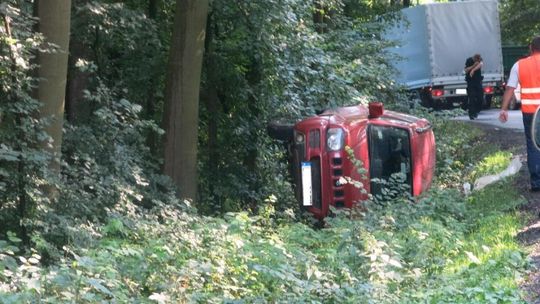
(491, 117)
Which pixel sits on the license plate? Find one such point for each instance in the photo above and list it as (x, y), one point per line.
(306, 184)
(461, 91)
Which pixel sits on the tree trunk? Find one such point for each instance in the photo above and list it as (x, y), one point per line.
(181, 116)
(54, 24)
(319, 18)
(77, 81)
(76, 109)
(152, 140)
(152, 9)
(211, 101)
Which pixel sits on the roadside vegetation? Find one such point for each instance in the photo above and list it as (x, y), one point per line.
(88, 216)
(442, 248)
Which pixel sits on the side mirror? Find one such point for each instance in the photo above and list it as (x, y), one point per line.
(535, 129)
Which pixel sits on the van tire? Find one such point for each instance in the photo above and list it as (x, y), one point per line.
(280, 130)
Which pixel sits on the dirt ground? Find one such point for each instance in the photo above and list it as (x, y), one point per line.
(530, 234)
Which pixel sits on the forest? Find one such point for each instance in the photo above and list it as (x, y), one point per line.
(135, 164)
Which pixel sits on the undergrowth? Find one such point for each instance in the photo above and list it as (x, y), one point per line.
(443, 247)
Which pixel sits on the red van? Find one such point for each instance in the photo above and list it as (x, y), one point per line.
(386, 142)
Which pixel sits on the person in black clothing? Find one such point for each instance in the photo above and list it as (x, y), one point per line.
(475, 92)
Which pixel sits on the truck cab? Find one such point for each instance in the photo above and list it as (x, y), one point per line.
(386, 142)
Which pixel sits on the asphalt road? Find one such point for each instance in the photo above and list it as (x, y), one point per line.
(491, 117)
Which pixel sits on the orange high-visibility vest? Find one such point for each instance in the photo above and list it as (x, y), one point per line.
(529, 79)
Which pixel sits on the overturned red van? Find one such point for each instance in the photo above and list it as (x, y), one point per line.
(386, 142)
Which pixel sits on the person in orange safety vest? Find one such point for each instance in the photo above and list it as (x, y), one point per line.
(526, 72)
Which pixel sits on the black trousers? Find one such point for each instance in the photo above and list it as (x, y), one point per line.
(475, 98)
(533, 155)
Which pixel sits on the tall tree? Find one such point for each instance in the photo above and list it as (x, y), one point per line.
(519, 21)
(54, 24)
(181, 116)
(77, 81)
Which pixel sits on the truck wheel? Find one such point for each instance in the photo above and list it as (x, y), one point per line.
(487, 101)
(439, 104)
(464, 103)
(425, 99)
(280, 130)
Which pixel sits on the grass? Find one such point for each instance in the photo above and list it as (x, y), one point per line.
(490, 263)
(495, 223)
(485, 263)
(493, 163)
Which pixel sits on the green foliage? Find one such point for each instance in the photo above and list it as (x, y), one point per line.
(108, 171)
(23, 173)
(466, 156)
(439, 248)
(115, 39)
(269, 60)
(432, 250)
(107, 167)
(457, 154)
(116, 233)
(492, 164)
(519, 23)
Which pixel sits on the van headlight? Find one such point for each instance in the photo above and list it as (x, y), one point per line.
(299, 137)
(334, 139)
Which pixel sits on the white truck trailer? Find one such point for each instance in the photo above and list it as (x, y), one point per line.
(436, 39)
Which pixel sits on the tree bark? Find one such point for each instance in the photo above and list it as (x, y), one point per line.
(152, 139)
(182, 96)
(319, 17)
(211, 100)
(54, 24)
(76, 109)
(77, 81)
(152, 9)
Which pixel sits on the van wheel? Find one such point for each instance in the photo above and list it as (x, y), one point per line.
(280, 130)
